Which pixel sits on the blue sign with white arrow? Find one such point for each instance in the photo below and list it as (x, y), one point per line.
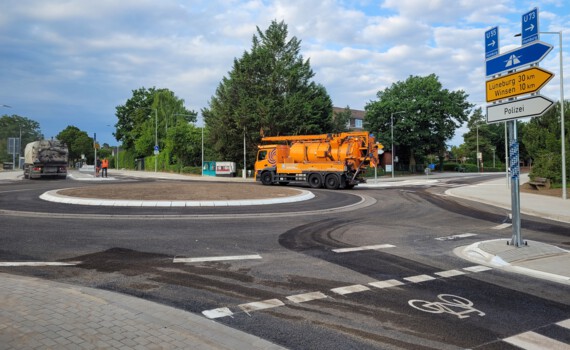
(492, 42)
(529, 26)
(525, 55)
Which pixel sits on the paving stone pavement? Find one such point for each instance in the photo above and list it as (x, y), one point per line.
(40, 314)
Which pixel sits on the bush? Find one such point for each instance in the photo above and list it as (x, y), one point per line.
(192, 170)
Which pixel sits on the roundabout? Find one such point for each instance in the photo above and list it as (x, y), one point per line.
(176, 194)
(125, 196)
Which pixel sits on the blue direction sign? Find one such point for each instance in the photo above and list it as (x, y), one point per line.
(492, 42)
(525, 55)
(529, 26)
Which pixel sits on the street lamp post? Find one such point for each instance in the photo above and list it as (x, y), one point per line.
(244, 175)
(392, 137)
(203, 150)
(155, 140)
(202, 128)
(20, 150)
(155, 136)
(477, 155)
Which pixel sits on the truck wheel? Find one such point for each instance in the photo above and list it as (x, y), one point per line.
(267, 178)
(332, 182)
(315, 181)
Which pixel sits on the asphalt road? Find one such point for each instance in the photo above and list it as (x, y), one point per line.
(314, 286)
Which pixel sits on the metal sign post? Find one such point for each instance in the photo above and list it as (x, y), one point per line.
(502, 91)
(95, 157)
(516, 239)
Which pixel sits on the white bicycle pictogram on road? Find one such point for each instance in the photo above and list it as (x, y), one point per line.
(449, 304)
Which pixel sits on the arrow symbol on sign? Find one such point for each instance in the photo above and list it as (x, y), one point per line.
(492, 43)
(531, 28)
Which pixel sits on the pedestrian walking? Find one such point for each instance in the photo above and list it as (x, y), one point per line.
(97, 167)
(104, 166)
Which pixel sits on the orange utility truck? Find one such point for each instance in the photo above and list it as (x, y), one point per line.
(329, 160)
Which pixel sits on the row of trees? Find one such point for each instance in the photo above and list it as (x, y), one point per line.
(270, 91)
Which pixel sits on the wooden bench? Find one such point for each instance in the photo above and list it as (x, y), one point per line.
(539, 182)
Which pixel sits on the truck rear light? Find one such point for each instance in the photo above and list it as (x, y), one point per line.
(37, 168)
(62, 169)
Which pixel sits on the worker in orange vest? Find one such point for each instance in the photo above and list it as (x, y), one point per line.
(104, 166)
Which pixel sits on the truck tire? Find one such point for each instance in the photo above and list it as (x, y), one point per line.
(332, 182)
(267, 178)
(315, 181)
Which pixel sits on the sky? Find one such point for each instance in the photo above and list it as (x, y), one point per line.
(71, 62)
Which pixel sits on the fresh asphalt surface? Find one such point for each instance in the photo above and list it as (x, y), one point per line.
(422, 227)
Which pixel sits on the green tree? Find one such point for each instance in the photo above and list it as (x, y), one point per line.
(426, 116)
(11, 126)
(78, 142)
(268, 92)
(541, 138)
(185, 144)
(147, 116)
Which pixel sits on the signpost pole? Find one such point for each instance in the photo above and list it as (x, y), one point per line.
(516, 239)
(95, 156)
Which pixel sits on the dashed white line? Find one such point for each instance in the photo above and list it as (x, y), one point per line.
(305, 297)
(36, 263)
(301, 298)
(216, 258)
(501, 226)
(565, 323)
(216, 313)
(477, 268)
(450, 273)
(261, 305)
(365, 247)
(350, 289)
(534, 341)
(419, 278)
(386, 284)
(453, 237)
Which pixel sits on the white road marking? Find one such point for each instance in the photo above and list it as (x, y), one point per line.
(216, 313)
(350, 289)
(36, 263)
(450, 273)
(386, 284)
(301, 298)
(419, 278)
(501, 226)
(477, 268)
(216, 258)
(534, 341)
(451, 238)
(261, 305)
(365, 247)
(565, 323)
